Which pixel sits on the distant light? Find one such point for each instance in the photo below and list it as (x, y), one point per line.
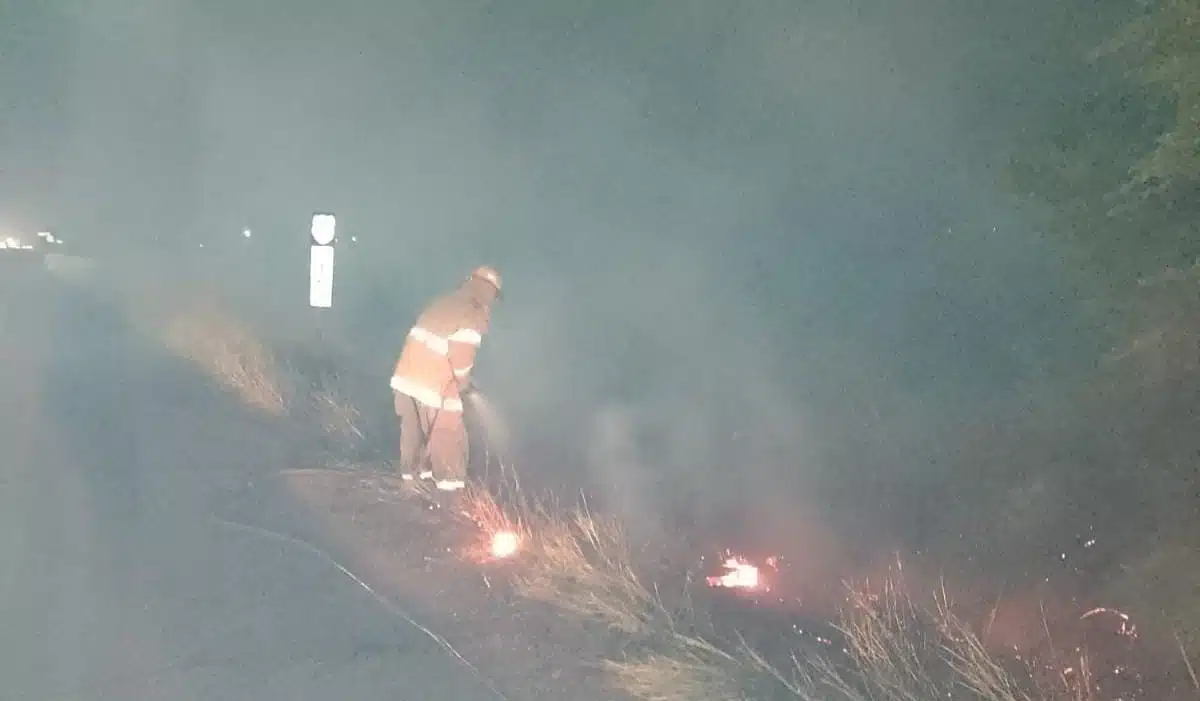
(353, 239)
(247, 233)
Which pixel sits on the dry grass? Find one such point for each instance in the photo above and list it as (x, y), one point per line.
(339, 418)
(683, 674)
(581, 564)
(1187, 661)
(227, 351)
(573, 560)
(893, 649)
(896, 650)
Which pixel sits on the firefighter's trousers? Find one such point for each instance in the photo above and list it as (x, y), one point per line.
(431, 440)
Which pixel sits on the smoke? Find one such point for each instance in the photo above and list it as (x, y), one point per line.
(495, 429)
(740, 247)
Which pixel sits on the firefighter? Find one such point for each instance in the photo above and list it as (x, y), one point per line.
(432, 375)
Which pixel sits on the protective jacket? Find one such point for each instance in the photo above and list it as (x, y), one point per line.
(439, 353)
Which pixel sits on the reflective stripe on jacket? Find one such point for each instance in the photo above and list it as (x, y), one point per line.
(439, 352)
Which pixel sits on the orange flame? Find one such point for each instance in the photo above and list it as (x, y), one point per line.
(740, 575)
(505, 544)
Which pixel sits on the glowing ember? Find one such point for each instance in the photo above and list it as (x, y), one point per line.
(739, 575)
(505, 544)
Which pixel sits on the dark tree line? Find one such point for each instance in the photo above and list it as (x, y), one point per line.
(1115, 164)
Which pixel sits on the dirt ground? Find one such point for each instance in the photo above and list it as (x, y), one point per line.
(408, 551)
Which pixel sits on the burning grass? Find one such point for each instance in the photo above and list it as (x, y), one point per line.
(581, 563)
(891, 647)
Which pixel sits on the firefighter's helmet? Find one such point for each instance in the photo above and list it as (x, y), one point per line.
(488, 274)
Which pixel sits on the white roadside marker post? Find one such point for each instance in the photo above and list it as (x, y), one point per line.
(320, 273)
(320, 269)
